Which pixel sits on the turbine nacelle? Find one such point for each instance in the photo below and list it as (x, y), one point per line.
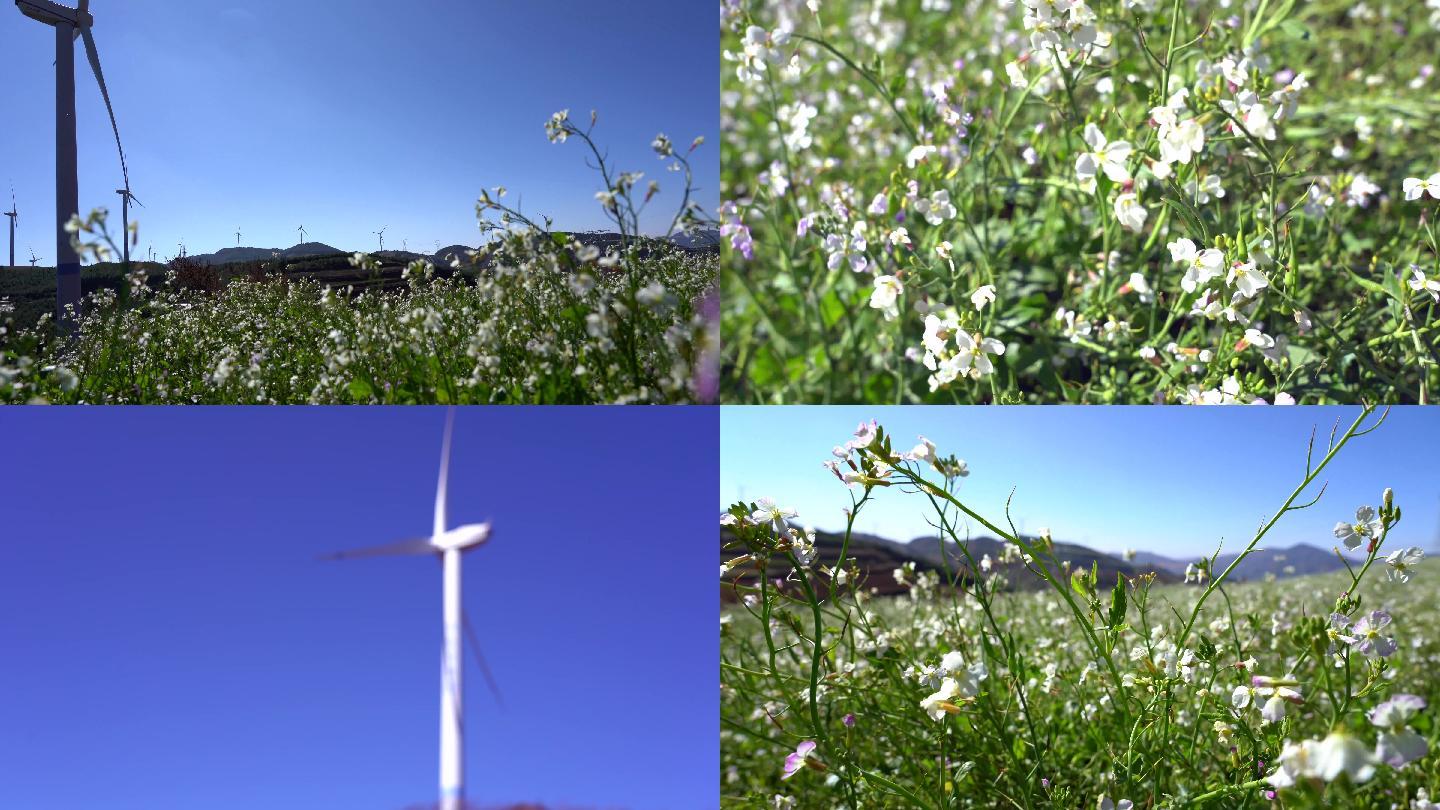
(55, 14)
(462, 537)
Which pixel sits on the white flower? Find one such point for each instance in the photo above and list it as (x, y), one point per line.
(918, 154)
(1129, 211)
(937, 209)
(974, 353)
(982, 296)
(1293, 764)
(1274, 709)
(1141, 287)
(1200, 265)
(937, 704)
(1401, 561)
(1105, 804)
(1366, 527)
(1105, 156)
(1202, 192)
(1181, 141)
(924, 451)
(1246, 279)
(1420, 283)
(886, 295)
(776, 515)
(1414, 187)
(1339, 753)
(1398, 744)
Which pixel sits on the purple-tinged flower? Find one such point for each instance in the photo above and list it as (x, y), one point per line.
(1369, 637)
(849, 721)
(794, 762)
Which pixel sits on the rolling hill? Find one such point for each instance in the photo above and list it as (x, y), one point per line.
(253, 254)
(878, 557)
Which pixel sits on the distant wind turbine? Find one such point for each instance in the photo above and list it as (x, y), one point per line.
(448, 544)
(237, 236)
(12, 213)
(33, 260)
(381, 233)
(125, 199)
(301, 229)
(69, 23)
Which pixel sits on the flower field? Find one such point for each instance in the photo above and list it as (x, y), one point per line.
(536, 316)
(966, 692)
(1101, 201)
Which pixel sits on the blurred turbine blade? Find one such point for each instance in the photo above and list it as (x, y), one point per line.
(440, 496)
(480, 661)
(105, 93)
(403, 548)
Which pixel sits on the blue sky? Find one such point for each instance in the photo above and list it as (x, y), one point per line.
(171, 641)
(1175, 481)
(347, 117)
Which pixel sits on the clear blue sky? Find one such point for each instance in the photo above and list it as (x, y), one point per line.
(346, 117)
(1174, 481)
(170, 640)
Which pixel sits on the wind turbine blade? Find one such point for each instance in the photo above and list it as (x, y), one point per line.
(134, 199)
(419, 545)
(104, 92)
(480, 661)
(440, 490)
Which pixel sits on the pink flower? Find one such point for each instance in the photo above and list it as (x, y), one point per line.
(796, 761)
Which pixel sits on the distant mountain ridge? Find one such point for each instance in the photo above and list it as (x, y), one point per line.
(1298, 560)
(253, 254)
(878, 557)
(703, 240)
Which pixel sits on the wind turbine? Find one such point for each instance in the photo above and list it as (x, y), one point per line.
(448, 545)
(381, 233)
(125, 199)
(12, 213)
(69, 23)
(33, 260)
(301, 229)
(237, 236)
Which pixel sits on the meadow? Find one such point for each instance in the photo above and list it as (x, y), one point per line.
(967, 693)
(1099, 201)
(534, 316)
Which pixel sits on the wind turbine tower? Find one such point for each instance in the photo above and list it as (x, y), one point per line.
(448, 544)
(381, 233)
(12, 213)
(125, 199)
(33, 260)
(237, 236)
(68, 24)
(301, 229)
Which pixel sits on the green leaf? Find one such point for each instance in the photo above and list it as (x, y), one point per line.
(360, 391)
(1117, 602)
